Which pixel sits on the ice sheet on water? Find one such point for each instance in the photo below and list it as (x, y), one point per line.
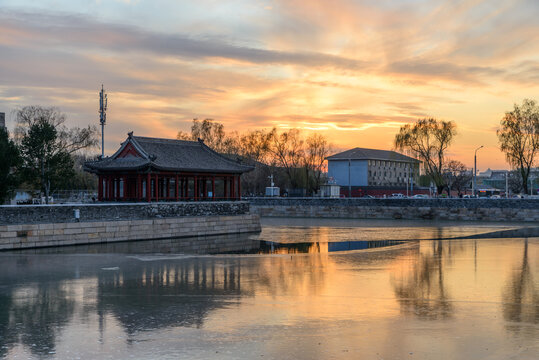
(159, 257)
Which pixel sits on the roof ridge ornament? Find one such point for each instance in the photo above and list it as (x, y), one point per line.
(152, 157)
(200, 140)
(130, 134)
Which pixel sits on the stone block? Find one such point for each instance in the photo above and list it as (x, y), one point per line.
(14, 228)
(70, 231)
(8, 234)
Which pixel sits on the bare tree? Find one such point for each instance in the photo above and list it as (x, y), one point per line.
(182, 135)
(429, 139)
(457, 176)
(317, 149)
(68, 139)
(288, 152)
(47, 146)
(519, 138)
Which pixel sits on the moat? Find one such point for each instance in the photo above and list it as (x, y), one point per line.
(301, 289)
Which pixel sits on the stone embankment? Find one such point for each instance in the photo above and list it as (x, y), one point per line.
(525, 210)
(57, 225)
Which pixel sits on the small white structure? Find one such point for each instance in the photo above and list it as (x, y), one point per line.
(272, 190)
(330, 191)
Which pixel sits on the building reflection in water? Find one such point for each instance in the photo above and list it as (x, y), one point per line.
(164, 294)
(428, 280)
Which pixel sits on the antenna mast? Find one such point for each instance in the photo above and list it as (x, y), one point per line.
(102, 117)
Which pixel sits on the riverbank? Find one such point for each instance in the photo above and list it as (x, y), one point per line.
(57, 225)
(495, 210)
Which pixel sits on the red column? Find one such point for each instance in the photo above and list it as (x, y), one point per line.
(117, 197)
(105, 187)
(177, 187)
(232, 188)
(166, 183)
(239, 187)
(156, 187)
(213, 187)
(100, 188)
(204, 187)
(148, 188)
(196, 188)
(225, 184)
(182, 187)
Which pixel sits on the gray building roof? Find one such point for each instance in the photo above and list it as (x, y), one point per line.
(371, 154)
(168, 155)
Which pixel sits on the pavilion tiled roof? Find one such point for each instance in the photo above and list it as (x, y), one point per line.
(169, 155)
(371, 154)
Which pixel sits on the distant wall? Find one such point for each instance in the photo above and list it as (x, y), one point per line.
(430, 209)
(32, 214)
(55, 225)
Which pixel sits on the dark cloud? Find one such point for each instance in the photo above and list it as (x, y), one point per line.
(445, 70)
(82, 32)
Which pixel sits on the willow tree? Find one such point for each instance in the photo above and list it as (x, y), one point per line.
(429, 139)
(519, 138)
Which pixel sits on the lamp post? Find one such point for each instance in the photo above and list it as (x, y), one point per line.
(475, 170)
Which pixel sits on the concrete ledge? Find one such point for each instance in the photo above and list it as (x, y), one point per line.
(32, 236)
(526, 210)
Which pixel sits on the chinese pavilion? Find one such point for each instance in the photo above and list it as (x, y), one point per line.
(151, 169)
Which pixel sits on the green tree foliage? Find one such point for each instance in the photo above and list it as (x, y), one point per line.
(9, 160)
(519, 138)
(429, 139)
(47, 145)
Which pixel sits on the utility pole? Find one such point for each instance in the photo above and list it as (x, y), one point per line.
(412, 180)
(474, 184)
(407, 179)
(102, 118)
(506, 184)
(349, 178)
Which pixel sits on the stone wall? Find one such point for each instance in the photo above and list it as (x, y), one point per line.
(41, 214)
(58, 234)
(55, 225)
(430, 209)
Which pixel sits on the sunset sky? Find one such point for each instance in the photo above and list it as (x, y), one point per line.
(354, 71)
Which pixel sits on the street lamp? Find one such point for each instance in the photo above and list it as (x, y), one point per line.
(475, 170)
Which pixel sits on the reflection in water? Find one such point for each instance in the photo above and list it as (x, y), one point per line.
(521, 295)
(423, 297)
(271, 247)
(34, 317)
(165, 294)
(422, 291)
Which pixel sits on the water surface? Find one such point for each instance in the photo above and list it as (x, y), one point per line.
(420, 290)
